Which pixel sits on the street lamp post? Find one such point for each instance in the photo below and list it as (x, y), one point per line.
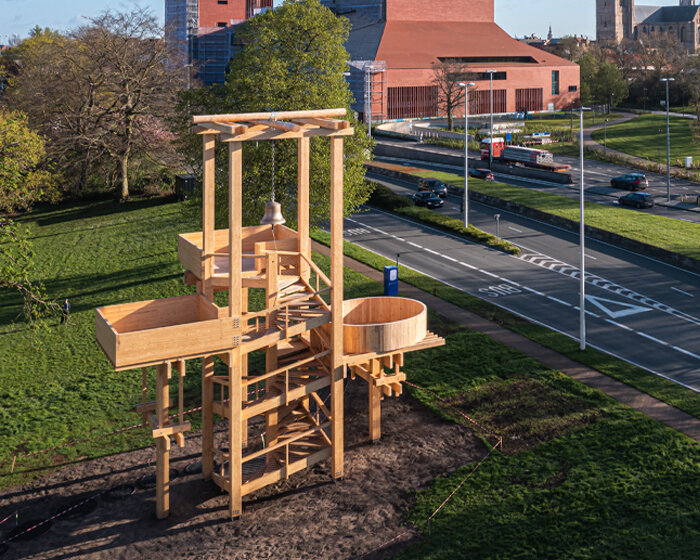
(466, 150)
(668, 143)
(491, 73)
(582, 245)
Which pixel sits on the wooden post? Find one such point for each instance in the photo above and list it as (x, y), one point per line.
(338, 369)
(235, 462)
(244, 371)
(162, 443)
(207, 416)
(304, 154)
(375, 405)
(144, 396)
(180, 437)
(208, 213)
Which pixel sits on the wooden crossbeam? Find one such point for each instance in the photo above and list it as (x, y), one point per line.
(279, 125)
(171, 429)
(282, 115)
(330, 124)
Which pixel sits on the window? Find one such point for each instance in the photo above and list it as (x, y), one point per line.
(412, 102)
(573, 88)
(529, 99)
(222, 2)
(221, 24)
(480, 101)
(555, 82)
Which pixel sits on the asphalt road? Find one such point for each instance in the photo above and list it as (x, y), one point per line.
(639, 309)
(597, 180)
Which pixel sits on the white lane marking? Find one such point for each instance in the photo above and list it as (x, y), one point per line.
(512, 282)
(534, 291)
(468, 265)
(625, 327)
(450, 258)
(488, 273)
(645, 335)
(398, 238)
(515, 229)
(414, 244)
(433, 252)
(591, 257)
(559, 301)
(577, 308)
(686, 352)
(682, 292)
(616, 309)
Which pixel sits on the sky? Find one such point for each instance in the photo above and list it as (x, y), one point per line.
(517, 17)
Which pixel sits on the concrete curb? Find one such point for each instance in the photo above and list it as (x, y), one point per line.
(634, 398)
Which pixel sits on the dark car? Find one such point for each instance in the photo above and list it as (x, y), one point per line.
(433, 185)
(638, 200)
(428, 199)
(481, 173)
(631, 181)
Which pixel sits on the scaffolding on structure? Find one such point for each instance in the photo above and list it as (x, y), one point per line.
(310, 336)
(367, 81)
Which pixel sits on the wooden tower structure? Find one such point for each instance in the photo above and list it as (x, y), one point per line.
(310, 337)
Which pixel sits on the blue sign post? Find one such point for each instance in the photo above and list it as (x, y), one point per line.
(391, 280)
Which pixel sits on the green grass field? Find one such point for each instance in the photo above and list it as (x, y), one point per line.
(645, 137)
(673, 235)
(580, 476)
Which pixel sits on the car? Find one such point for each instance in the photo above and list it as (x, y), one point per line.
(638, 200)
(481, 173)
(433, 185)
(631, 181)
(428, 199)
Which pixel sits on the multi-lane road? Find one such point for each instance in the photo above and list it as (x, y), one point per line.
(641, 310)
(597, 177)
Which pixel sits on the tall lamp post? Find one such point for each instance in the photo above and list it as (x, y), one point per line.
(491, 73)
(466, 150)
(582, 244)
(668, 143)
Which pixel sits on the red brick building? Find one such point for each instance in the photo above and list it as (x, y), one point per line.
(394, 43)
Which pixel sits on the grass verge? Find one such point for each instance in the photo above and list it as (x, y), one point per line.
(656, 386)
(672, 235)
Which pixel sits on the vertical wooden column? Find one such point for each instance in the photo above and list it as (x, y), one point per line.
(235, 292)
(303, 156)
(144, 396)
(271, 355)
(244, 371)
(181, 372)
(338, 369)
(208, 195)
(375, 405)
(162, 443)
(207, 416)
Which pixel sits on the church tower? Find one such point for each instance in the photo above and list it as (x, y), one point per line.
(615, 20)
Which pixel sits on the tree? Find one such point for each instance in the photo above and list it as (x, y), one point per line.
(447, 76)
(97, 92)
(16, 271)
(293, 59)
(22, 180)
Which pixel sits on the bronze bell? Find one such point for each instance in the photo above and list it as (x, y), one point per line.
(273, 214)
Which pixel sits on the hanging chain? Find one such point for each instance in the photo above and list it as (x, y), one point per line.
(273, 171)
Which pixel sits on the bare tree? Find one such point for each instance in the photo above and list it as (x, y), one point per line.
(447, 75)
(102, 93)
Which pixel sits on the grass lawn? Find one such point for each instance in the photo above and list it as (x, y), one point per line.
(580, 476)
(658, 387)
(56, 385)
(645, 137)
(673, 235)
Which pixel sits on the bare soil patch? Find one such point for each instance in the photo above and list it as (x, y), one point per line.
(525, 412)
(307, 516)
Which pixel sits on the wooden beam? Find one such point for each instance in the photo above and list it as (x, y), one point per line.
(171, 429)
(207, 416)
(303, 185)
(279, 125)
(235, 404)
(235, 226)
(282, 115)
(337, 354)
(228, 128)
(162, 443)
(208, 202)
(330, 124)
(273, 134)
(375, 412)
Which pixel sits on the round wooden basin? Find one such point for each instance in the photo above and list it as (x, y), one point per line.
(383, 324)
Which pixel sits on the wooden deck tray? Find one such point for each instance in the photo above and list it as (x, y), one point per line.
(151, 332)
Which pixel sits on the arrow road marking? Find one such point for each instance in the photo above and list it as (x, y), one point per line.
(609, 306)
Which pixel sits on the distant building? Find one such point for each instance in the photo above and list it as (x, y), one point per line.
(204, 32)
(622, 19)
(394, 43)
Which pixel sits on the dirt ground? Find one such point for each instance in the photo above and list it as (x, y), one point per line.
(307, 516)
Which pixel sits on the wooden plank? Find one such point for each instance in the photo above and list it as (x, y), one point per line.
(162, 443)
(278, 125)
(279, 474)
(171, 429)
(235, 447)
(208, 211)
(207, 417)
(337, 354)
(227, 128)
(375, 412)
(106, 336)
(330, 124)
(235, 242)
(189, 255)
(282, 115)
(272, 134)
(260, 407)
(303, 186)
